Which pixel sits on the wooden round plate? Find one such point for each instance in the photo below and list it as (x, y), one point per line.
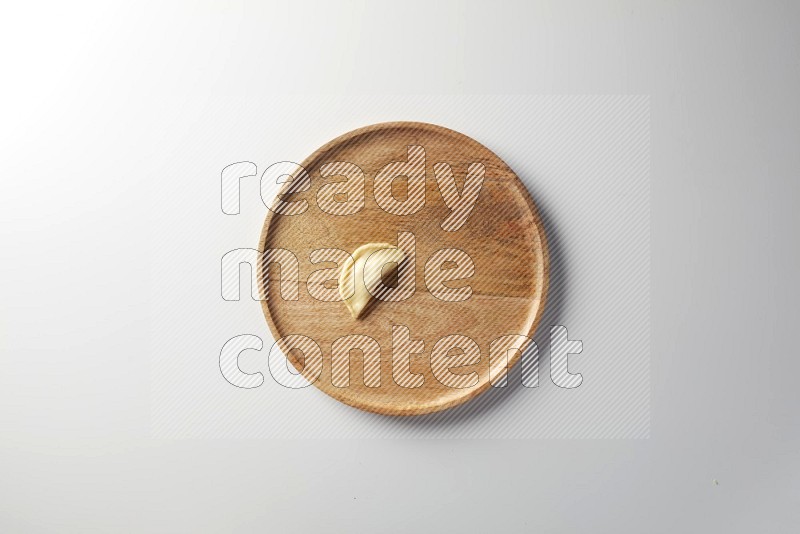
(503, 236)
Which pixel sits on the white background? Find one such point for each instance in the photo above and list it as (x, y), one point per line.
(101, 105)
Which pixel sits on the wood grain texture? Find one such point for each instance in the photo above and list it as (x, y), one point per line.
(504, 237)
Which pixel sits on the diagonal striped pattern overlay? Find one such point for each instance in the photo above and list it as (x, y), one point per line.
(585, 159)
